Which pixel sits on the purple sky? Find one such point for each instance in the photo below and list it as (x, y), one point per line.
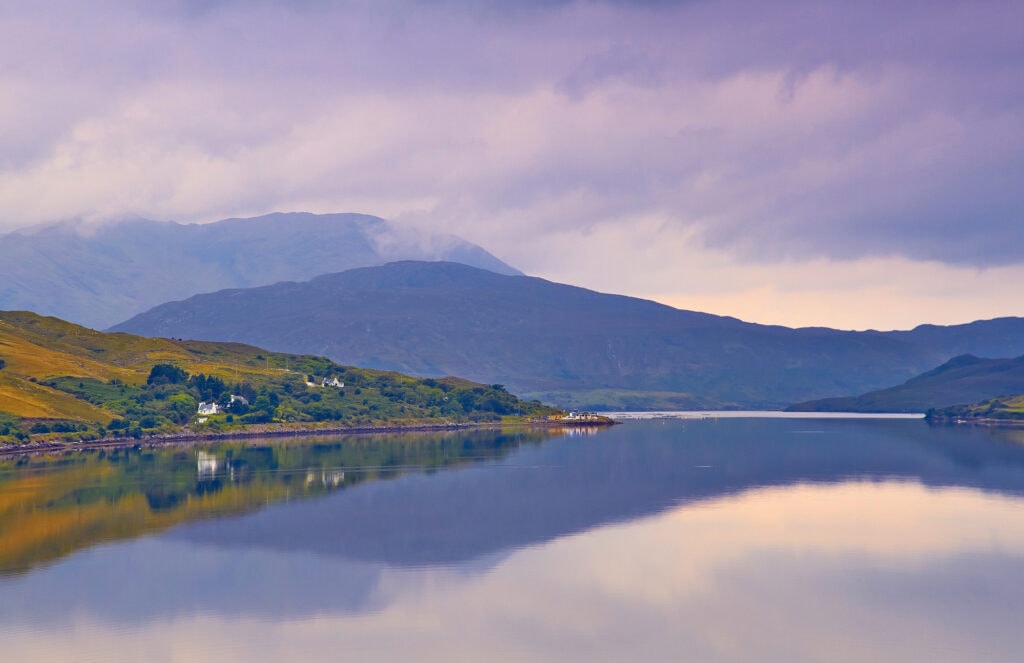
(850, 164)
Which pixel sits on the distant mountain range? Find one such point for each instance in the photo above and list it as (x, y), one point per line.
(963, 379)
(97, 277)
(564, 344)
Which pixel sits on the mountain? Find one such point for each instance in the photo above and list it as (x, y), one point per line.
(58, 379)
(963, 379)
(97, 277)
(563, 344)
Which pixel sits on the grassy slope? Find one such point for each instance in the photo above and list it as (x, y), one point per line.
(1005, 408)
(40, 348)
(56, 370)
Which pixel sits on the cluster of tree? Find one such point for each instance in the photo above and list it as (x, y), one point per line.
(9, 426)
(171, 396)
(166, 374)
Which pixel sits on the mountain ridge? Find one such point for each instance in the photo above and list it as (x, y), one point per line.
(565, 344)
(964, 379)
(99, 276)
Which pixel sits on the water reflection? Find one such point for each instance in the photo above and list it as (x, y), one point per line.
(51, 506)
(737, 540)
(544, 492)
(797, 573)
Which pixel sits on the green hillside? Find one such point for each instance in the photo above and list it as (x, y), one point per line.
(1003, 409)
(62, 381)
(961, 380)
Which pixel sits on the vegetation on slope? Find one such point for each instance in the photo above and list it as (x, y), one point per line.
(1008, 408)
(63, 381)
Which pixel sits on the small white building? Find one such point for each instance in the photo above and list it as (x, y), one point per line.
(208, 408)
(332, 382)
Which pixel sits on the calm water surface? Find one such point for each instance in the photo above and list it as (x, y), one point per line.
(736, 539)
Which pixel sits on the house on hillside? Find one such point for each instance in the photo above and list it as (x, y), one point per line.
(238, 399)
(332, 382)
(206, 409)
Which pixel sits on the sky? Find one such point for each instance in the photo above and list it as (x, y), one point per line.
(855, 165)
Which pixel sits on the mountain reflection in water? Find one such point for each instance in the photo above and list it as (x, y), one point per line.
(740, 539)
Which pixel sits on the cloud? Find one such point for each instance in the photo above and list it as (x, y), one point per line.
(804, 131)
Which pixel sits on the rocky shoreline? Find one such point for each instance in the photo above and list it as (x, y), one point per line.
(263, 431)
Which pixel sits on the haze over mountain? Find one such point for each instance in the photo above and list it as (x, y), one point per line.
(564, 344)
(962, 379)
(100, 277)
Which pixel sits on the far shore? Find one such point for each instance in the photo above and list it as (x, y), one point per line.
(977, 421)
(258, 432)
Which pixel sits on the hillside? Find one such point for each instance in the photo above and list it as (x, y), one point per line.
(562, 344)
(1007, 409)
(963, 379)
(61, 380)
(101, 276)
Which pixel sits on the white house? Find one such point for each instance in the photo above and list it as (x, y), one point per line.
(208, 408)
(332, 382)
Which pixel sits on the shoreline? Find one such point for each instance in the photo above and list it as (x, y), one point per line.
(976, 421)
(256, 432)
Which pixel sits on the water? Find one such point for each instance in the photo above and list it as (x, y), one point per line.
(726, 539)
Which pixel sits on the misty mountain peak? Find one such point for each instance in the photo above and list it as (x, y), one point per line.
(97, 275)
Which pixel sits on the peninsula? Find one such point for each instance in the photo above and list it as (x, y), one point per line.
(65, 384)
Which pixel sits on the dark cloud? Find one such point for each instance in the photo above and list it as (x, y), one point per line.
(772, 131)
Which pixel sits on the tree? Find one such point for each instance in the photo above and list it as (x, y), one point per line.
(181, 408)
(207, 387)
(166, 374)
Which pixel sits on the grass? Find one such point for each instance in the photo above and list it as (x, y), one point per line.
(1004, 407)
(64, 381)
